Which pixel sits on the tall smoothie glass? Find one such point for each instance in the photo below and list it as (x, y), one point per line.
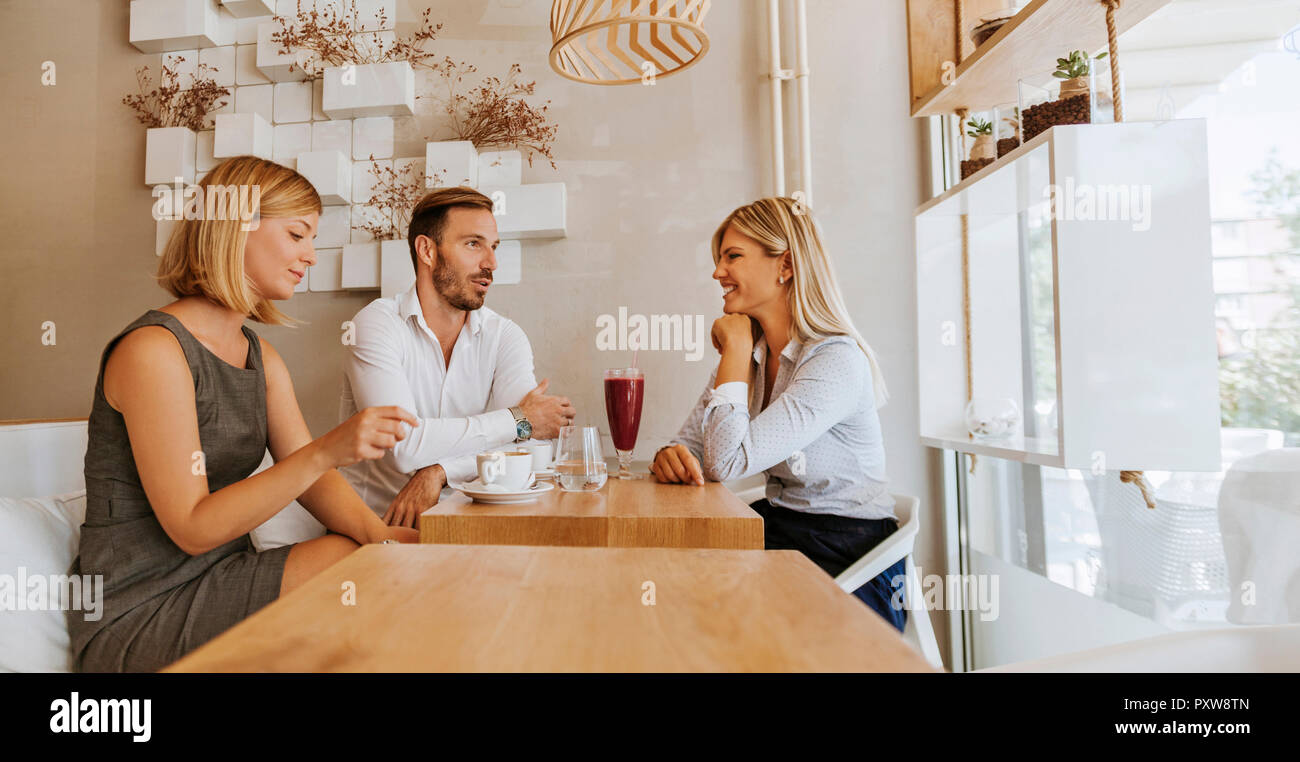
(624, 391)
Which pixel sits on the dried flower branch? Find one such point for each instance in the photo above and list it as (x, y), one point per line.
(395, 195)
(495, 114)
(337, 37)
(168, 105)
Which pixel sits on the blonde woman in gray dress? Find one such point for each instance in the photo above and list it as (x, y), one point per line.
(187, 402)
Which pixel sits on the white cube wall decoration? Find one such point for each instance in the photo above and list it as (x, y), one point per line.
(318, 100)
(500, 168)
(396, 273)
(256, 99)
(331, 173)
(220, 63)
(169, 153)
(289, 141)
(360, 266)
(334, 135)
(203, 158)
(242, 9)
(158, 26)
(246, 30)
(246, 71)
(536, 210)
(240, 134)
(162, 233)
(292, 102)
(380, 89)
(335, 228)
(327, 273)
(509, 263)
(273, 62)
(449, 163)
(1102, 315)
(372, 136)
(364, 178)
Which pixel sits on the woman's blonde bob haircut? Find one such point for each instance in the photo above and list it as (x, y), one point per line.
(205, 254)
(816, 305)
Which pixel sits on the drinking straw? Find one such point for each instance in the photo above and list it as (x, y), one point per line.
(634, 351)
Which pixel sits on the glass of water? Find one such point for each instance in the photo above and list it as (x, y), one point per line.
(579, 462)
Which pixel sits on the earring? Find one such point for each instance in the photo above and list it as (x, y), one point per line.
(781, 279)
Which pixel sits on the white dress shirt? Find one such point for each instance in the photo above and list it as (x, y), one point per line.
(818, 439)
(463, 409)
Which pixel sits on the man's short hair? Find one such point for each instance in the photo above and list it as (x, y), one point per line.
(430, 215)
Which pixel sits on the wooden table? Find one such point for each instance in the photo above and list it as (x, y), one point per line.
(635, 513)
(460, 608)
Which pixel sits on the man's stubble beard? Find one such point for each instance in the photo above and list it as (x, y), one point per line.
(452, 290)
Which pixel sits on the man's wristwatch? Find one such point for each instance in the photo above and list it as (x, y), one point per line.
(523, 428)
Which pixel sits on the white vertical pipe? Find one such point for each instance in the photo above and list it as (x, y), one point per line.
(805, 116)
(778, 128)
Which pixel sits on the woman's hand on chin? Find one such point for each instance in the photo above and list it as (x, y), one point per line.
(733, 332)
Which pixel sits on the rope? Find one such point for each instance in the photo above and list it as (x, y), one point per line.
(961, 24)
(965, 309)
(1139, 479)
(1112, 39)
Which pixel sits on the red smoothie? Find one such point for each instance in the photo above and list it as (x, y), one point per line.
(623, 405)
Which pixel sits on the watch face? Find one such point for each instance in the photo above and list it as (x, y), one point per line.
(523, 429)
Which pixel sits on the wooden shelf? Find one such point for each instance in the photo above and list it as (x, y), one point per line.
(1028, 44)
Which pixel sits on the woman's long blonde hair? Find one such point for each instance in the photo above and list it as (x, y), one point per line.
(205, 254)
(816, 305)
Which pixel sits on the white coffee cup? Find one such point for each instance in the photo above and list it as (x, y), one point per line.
(543, 452)
(510, 470)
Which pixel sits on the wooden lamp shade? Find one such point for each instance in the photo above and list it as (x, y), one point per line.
(607, 42)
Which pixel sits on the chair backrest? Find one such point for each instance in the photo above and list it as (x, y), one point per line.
(42, 458)
(907, 509)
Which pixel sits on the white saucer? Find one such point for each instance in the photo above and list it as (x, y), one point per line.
(480, 494)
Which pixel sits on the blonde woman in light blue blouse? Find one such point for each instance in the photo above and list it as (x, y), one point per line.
(808, 418)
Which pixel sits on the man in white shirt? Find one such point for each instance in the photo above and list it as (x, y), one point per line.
(481, 396)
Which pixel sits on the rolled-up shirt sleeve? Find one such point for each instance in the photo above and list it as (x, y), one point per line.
(513, 378)
(690, 434)
(374, 369)
(826, 387)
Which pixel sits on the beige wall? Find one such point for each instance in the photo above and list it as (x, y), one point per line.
(650, 172)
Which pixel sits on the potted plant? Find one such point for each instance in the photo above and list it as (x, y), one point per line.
(494, 115)
(1073, 102)
(366, 73)
(983, 152)
(173, 117)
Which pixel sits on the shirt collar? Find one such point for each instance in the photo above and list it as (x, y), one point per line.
(408, 304)
(790, 352)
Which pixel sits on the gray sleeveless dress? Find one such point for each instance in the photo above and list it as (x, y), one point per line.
(159, 601)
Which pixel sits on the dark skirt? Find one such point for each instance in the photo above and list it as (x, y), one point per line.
(835, 543)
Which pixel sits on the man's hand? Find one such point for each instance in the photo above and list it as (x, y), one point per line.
(545, 412)
(419, 494)
(676, 465)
